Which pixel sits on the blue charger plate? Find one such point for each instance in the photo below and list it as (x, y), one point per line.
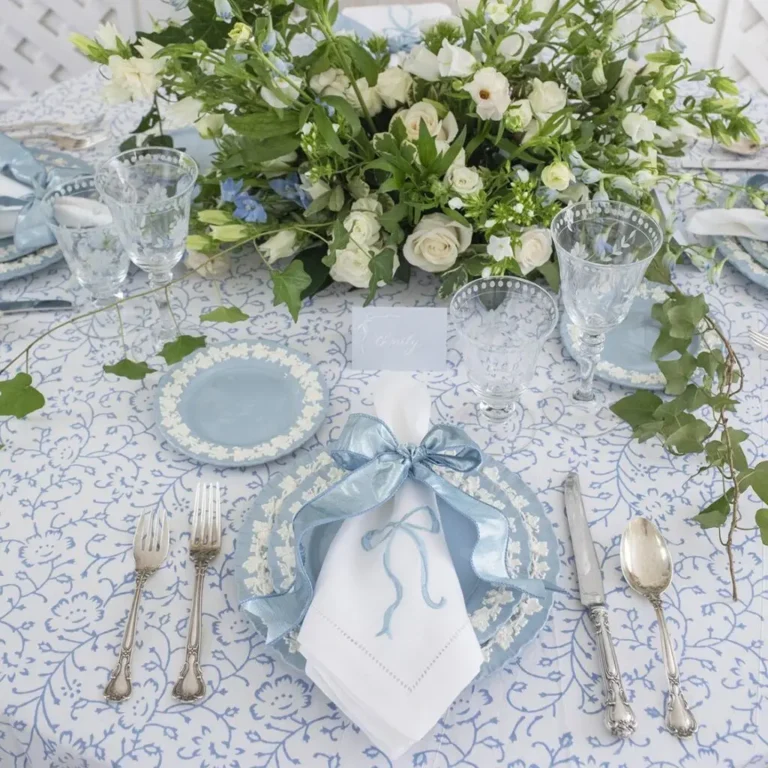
(757, 249)
(12, 265)
(504, 621)
(241, 403)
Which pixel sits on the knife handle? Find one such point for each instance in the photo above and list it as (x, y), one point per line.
(619, 717)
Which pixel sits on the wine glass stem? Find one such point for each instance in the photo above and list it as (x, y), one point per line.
(166, 330)
(591, 349)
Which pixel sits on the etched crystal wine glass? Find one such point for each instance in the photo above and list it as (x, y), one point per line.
(149, 192)
(502, 324)
(604, 249)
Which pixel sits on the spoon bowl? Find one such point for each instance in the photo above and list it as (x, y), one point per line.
(645, 559)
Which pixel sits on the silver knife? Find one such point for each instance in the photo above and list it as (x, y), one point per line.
(619, 717)
(35, 305)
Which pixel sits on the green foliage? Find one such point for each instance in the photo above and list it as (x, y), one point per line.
(176, 350)
(129, 369)
(18, 397)
(289, 285)
(224, 315)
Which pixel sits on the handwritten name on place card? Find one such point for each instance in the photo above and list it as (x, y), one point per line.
(399, 338)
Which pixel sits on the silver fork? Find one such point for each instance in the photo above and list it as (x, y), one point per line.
(759, 340)
(150, 548)
(204, 546)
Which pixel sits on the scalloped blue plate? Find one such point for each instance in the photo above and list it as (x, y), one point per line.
(757, 249)
(12, 265)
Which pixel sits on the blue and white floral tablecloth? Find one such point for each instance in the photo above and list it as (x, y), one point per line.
(75, 476)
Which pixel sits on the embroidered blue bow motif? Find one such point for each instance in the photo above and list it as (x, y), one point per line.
(378, 536)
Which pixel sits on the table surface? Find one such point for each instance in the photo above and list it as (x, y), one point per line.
(75, 476)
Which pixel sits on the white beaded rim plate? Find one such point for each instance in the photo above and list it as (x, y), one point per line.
(241, 403)
(12, 266)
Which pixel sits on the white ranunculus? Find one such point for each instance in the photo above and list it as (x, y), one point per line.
(353, 266)
(489, 90)
(370, 204)
(184, 112)
(279, 246)
(283, 91)
(436, 242)
(219, 267)
(519, 115)
(500, 248)
(628, 73)
(463, 180)
(514, 46)
(421, 62)
(371, 97)
(547, 98)
(314, 189)
(557, 176)
(107, 35)
(454, 61)
(534, 250)
(497, 11)
(394, 86)
(133, 78)
(331, 82)
(638, 127)
(210, 126)
(363, 228)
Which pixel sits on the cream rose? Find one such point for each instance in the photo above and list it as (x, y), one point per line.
(489, 90)
(370, 204)
(371, 97)
(394, 86)
(331, 82)
(514, 46)
(557, 176)
(463, 180)
(353, 266)
(547, 98)
(424, 112)
(279, 246)
(454, 61)
(363, 227)
(638, 127)
(535, 249)
(436, 242)
(421, 62)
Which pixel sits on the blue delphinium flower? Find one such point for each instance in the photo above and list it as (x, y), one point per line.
(249, 209)
(282, 66)
(269, 44)
(330, 111)
(289, 188)
(230, 189)
(223, 10)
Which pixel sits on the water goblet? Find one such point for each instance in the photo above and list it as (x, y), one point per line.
(149, 192)
(604, 249)
(502, 324)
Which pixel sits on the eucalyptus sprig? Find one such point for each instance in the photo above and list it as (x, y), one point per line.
(703, 380)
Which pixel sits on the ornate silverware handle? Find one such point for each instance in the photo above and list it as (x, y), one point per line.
(119, 686)
(619, 717)
(191, 686)
(679, 719)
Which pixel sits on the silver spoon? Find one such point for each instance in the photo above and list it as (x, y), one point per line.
(647, 567)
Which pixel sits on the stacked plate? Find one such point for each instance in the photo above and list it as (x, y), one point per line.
(504, 620)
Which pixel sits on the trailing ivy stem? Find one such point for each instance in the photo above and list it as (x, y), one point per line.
(734, 512)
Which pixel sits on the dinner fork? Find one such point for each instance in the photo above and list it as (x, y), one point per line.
(150, 548)
(204, 545)
(759, 340)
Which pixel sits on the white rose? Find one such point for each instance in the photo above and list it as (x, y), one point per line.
(394, 86)
(283, 91)
(279, 246)
(519, 115)
(534, 250)
(421, 62)
(314, 189)
(490, 92)
(185, 111)
(454, 61)
(514, 46)
(497, 12)
(557, 176)
(133, 78)
(547, 98)
(465, 181)
(108, 36)
(332, 82)
(371, 97)
(363, 228)
(436, 242)
(499, 248)
(638, 127)
(217, 268)
(424, 112)
(352, 266)
(210, 126)
(628, 73)
(370, 204)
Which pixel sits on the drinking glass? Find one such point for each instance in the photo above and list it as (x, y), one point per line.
(149, 192)
(502, 324)
(603, 248)
(93, 252)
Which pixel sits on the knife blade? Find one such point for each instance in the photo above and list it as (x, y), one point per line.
(619, 717)
(35, 305)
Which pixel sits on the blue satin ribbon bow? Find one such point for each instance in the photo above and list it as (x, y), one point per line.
(378, 466)
(18, 163)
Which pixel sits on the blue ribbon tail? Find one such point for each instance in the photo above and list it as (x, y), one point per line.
(385, 629)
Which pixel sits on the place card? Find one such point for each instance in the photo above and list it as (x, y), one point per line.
(399, 338)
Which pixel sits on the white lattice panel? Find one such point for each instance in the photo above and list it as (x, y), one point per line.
(743, 49)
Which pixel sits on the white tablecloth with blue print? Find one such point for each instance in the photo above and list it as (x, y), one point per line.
(75, 476)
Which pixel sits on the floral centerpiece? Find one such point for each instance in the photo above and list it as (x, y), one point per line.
(451, 157)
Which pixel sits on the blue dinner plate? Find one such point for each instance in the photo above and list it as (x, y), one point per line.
(241, 403)
(730, 249)
(504, 620)
(12, 265)
(757, 249)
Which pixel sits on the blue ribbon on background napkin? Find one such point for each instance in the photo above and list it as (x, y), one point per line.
(378, 467)
(18, 163)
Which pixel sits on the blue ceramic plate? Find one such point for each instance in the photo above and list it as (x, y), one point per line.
(730, 249)
(503, 638)
(241, 403)
(12, 265)
(757, 249)
(626, 358)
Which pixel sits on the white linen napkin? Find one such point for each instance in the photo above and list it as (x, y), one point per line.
(396, 684)
(733, 222)
(81, 212)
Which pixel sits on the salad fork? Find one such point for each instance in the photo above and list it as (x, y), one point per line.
(150, 548)
(204, 546)
(760, 340)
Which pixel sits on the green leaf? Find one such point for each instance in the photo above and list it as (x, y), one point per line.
(684, 317)
(346, 110)
(666, 344)
(173, 351)
(757, 477)
(687, 434)
(714, 515)
(325, 126)
(761, 519)
(129, 369)
(265, 125)
(316, 268)
(158, 141)
(391, 219)
(443, 162)
(382, 267)
(288, 286)
(638, 408)
(678, 372)
(364, 62)
(550, 271)
(648, 430)
(658, 272)
(426, 145)
(18, 397)
(224, 315)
